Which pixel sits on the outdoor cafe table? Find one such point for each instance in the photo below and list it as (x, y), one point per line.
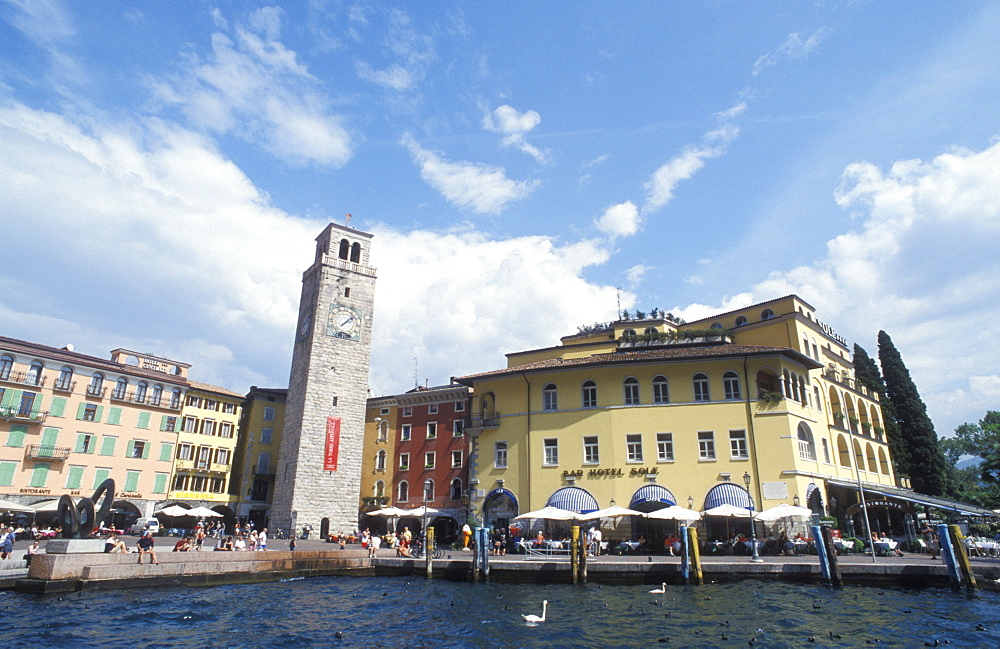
(885, 547)
(988, 547)
(749, 546)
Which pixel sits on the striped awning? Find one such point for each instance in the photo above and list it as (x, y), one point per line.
(575, 499)
(652, 493)
(498, 494)
(728, 493)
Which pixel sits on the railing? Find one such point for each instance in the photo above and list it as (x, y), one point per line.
(265, 471)
(96, 390)
(64, 385)
(219, 467)
(15, 413)
(353, 266)
(485, 420)
(48, 452)
(36, 379)
(373, 502)
(185, 464)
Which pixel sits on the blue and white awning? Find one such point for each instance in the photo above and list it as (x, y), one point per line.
(728, 493)
(652, 493)
(575, 499)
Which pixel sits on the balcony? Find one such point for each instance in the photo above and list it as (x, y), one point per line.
(265, 471)
(24, 378)
(38, 452)
(64, 385)
(219, 467)
(16, 413)
(484, 420)
(96, 391)
(184, 465)
(375, 502)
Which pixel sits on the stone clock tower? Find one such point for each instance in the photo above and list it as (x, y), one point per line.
(319, 464)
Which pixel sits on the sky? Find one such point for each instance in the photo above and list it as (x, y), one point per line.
(525, 168)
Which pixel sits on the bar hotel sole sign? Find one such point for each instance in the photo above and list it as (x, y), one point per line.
(332, 444)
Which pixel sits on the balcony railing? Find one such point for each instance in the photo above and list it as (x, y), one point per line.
(96, 390)
(185, 464)
(484, 420)
(64, 385)
(46, 452)
(36, 379)
(16, 413)
(265, 471)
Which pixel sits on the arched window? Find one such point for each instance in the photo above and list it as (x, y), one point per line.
(121, 388)
(628, 333)
(65, 380)
(379, 489)
(345, 249)
(807, 448)
(96, 384)
(356, 253)
(589, 394)
(175, 398)
(140, 392)
(403, 491)
(787, 384)
(716, 325)
(859, 457)
(34, 373)
(661, 392)
(631, 390)
(428, 490)
(802, 391)
(6, 364)
(872, 463)
(383, 431)
(456, 489)
(845, 455)
(157, 394)
(740, 321)
(649, 331)
(883, 461)
(805, 344)
(766, 314)
(380, 461)
(731, 383)
(550, 397)
(700, 383)
(793, 387)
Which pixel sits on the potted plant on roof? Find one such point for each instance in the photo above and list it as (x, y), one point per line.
(838, 419)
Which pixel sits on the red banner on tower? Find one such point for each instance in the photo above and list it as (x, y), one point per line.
(332, 444)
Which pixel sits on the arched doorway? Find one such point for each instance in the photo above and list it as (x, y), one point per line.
(499, 509)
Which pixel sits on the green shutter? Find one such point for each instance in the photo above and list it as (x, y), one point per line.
(130, 449)
(81, 411)
(145, 450)
(100, 413)
(80, 439)
(50, 436)
(100, 476)
(7, 473)
(163, 422)
(160, 484)
(75, 478)
(58, 408)
(11, 397)
(39, 475)
(115, 415)
(16, 436)
(143, 420)
(108, 445)
(131, 480)
(166, 451)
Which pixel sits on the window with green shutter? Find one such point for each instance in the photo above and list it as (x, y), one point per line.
(58, 408)
(75, 477)
(160, 483)
(39, 474)
(16, 436)
(131, 480)
(143, 420)
(100, 476)
(115, 416)
(84, 443)
(7, 473)
(166, 451)
(108, 445)
(10, 397)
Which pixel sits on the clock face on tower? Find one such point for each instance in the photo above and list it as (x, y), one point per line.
(344, 322)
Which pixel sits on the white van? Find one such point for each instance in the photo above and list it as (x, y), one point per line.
(140, 524)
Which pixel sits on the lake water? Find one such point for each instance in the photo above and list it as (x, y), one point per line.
(396, 612)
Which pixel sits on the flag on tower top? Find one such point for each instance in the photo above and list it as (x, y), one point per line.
(348, 218)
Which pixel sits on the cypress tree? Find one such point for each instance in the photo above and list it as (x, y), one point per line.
(928, 467)
(868, 375)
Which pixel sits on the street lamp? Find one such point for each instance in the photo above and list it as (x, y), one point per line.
(795, 500)
(690, 502)
(427, 492)
(753, 530)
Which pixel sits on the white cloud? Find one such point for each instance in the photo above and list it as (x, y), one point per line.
(793, 47)
(635, 274)
(413, 54)
(251, 85)
(621, 220)
(480, 188)
(513, 125)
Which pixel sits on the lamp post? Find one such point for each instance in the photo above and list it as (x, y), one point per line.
(690, 502)
(753, 529)
(427, 491)
(795, 500)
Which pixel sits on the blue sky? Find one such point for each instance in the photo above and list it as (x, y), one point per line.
(165, 167)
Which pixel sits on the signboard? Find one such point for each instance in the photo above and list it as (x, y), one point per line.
(775, 490)
(332, 444)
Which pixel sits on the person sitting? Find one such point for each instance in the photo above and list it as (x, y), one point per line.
(226, 545)
(114, 544)
(32, 550)
(539, 541)
(184, 545)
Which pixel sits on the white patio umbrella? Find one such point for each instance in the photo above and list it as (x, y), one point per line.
(419, 512)
(174, 510)
(729, 511)
(781, 511)
(389, 512)
(203, 512)
(46, 507)
(675, 513)
(609, 512)
(7, 506)
(550, 514)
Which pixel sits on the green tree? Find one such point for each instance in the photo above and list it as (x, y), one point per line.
(868, 374)
(978, 483)
(928, 468)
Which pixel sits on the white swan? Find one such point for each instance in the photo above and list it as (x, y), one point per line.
(534, 619)
(661, 590)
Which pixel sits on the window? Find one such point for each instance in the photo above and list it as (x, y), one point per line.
(140, 392)
(264, 463)
(589, 399)
(189, 425)
(383, 431)
(740, 321)
(138, 452)
(456, 459)
(16, 435)
(807, 449)
(194, 402)
(631, 389)
(500, 455)
(268, 413)
(181, 482)
(131, 480)
(383, 411)
(34, 373)
(226, 430)
(731, 384)
(738, 444)
(108, 445)
(459, 406)
(6, 364)
(65, 380)
(170, 424)
(160, 483)
(591, 453)
(766, 314)
(166, 451)
(265, 435)
(74, 480)
(432, 409)
(404, 461)
(85, 443)
(208, 427)
(706, 446)
(40, 474)
(826, 451)
(380, 461)
(550, 455)
(456, 489)
(27, 404)
(407, 411)
(7, 473)
(90, 412)
(204, 457)
(229, 408)
(661, 392)
(380, 489)
(550, 397)
(222, 456)
(211, 404)
(157, 395)
(175, 398)
(700, 382)
(100, 476)
(819, 402)
(404, 491)
(665, 447)
(458, 428)
(405, 432)
(432, 430)
(185, 452)
(430, 460)
(633, 447)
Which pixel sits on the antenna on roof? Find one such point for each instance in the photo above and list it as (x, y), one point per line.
(618, 294)
(416, 381)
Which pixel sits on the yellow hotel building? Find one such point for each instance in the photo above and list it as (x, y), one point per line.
(648, 413)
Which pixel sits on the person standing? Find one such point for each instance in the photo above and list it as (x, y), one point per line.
(291, 544)
(595, 541)
(262, 539)
(7, 543)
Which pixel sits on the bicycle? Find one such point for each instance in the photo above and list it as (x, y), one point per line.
(417, 551)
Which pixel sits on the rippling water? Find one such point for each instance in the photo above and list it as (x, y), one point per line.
(395, 612)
